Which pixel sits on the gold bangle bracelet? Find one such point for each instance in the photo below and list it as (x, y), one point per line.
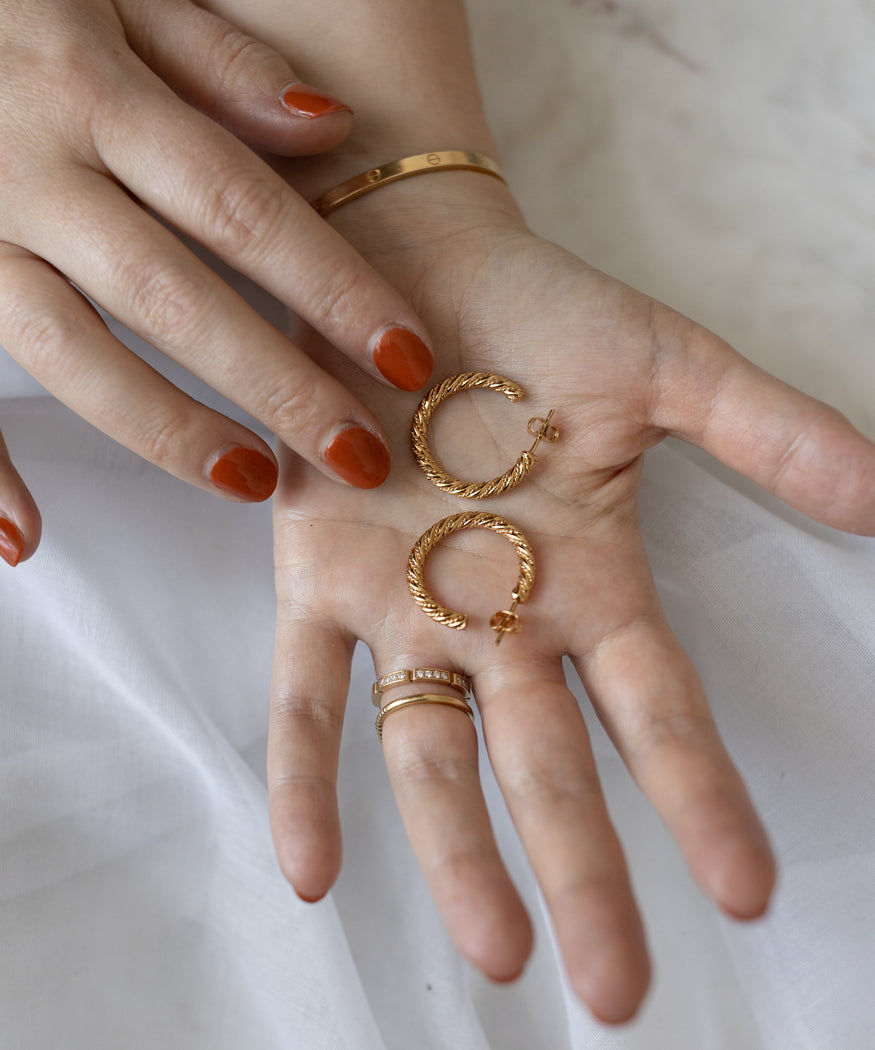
(420, 164)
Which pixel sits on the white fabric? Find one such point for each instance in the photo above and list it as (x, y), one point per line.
(140, 900)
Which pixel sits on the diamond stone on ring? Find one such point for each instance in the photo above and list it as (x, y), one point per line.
(420, 674)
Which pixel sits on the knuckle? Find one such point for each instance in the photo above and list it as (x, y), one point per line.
(232, 55)
(91, 78)
(297, 711)
(686, 728)
(424, 768)
(462, 869)
(171, 300)
(607, 882)
(792, 453)
(162, 438)
(316, 787)
(240, 212)
(43, 338)
(292, 408)
(554, 787)
(340, 298)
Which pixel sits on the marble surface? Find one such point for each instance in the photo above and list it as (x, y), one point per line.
(720, 157)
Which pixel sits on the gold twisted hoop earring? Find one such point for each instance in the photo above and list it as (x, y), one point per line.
(540, 429)
(505, 621)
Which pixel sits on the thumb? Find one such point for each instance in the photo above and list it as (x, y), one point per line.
(238, 81)
(802, 450)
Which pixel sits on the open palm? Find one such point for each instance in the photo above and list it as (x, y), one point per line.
(621, 371)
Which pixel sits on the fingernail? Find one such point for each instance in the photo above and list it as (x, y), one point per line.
(359, 458)
(245, 473)
(309, 900)
(403, 358)
(507, 980)
(305, 101)
(11, 542)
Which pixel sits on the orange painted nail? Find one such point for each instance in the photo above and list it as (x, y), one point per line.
(359, 458)
(245, 473)
(11, 542)
(305, 101)
(403, 358)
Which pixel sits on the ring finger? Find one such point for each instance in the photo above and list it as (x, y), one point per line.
(431, 756)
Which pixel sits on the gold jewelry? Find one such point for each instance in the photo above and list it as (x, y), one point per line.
(540, 429)
(420, 164)
(506, 620)
(420, 698)
(418, 674)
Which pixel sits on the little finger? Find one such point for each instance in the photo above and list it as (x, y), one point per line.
(650, 699)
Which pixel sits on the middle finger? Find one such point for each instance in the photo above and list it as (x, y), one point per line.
(145, 277)
(541, 755)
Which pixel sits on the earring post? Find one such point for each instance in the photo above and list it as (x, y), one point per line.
(543, 431)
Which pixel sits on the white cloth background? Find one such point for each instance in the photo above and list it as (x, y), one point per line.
(719, 158)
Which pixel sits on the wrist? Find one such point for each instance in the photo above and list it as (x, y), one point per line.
(417, 212)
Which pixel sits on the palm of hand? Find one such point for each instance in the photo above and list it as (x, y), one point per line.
(620, 370)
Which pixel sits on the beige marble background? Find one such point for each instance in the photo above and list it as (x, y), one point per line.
(719, 156)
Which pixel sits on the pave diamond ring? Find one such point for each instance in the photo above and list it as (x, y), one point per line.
(420, 674)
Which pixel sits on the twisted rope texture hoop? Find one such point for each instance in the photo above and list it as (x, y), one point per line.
(419, 437)
(471, 519)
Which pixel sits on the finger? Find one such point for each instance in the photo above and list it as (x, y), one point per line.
(431, 757)
(540, 751)
(311, 672)
(799, 448)
(53, 332)
(147, 279)
(20, 523)
(237, 80)
(650, 699)
(216, 190)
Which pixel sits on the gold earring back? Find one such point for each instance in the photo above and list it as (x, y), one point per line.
(506, 621)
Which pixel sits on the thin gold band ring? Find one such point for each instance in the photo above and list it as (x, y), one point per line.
(420, 698)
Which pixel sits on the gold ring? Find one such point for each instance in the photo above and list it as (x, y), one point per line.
(420, 698)
(420, 674)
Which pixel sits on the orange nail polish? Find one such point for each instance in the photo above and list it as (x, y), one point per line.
(245, 473)
(304, 101)
(359, 458)
(11, 542)
(403, 358)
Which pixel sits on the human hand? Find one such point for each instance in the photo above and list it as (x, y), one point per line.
(99, 114)
(622, 371)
